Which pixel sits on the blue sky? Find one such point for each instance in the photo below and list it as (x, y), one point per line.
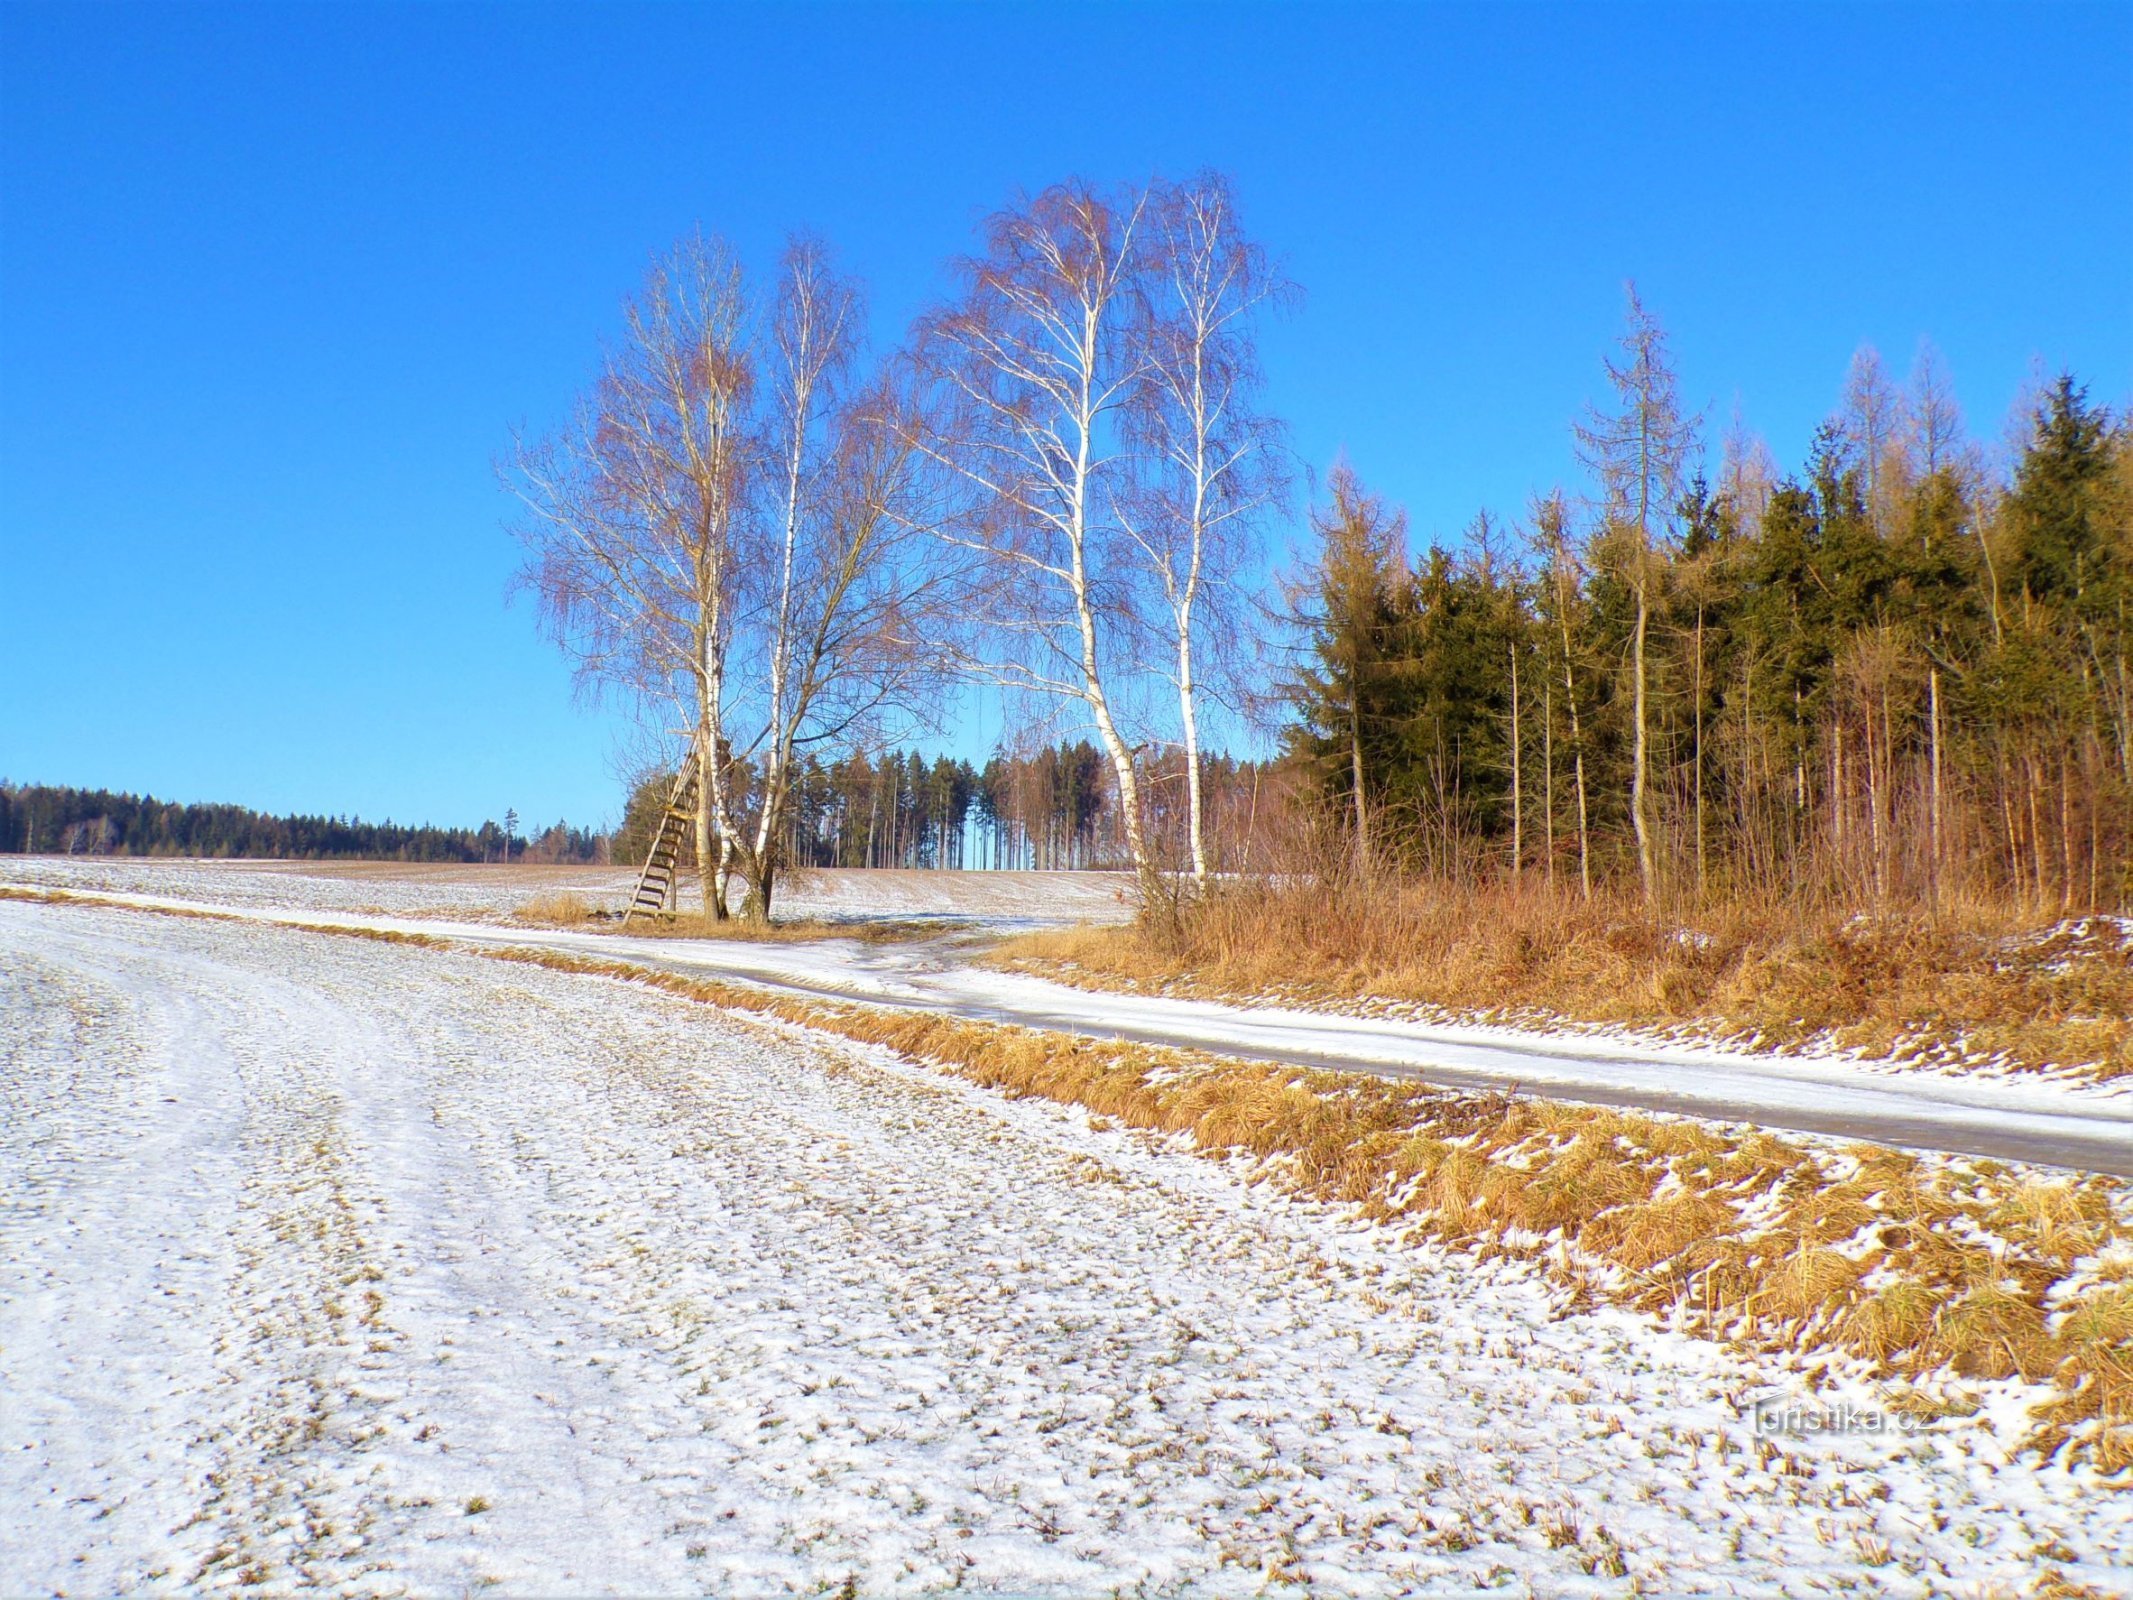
(276, 282)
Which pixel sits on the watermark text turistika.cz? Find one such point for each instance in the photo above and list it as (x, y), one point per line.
(1778, 1414)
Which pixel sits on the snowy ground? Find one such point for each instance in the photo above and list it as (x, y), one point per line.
(2032, 1117)
(1006, 902)
(382, 1269)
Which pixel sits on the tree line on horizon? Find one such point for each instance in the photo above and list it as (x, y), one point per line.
(1054, 808)
(42, 819)
(1897, 672)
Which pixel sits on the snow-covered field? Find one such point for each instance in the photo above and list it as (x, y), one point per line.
(999, 901)
(378, 1269)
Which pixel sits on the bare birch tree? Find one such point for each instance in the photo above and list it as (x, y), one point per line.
(854, 636)
(634, 511)
(843, 655)
(1031, 369)
(812, 338)
(1215, 463)
(747, 550)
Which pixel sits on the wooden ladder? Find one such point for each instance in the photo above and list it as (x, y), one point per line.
(655, 885)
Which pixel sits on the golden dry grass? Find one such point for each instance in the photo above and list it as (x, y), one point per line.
(556, 909)
(1973, 983)
(1928, 1269)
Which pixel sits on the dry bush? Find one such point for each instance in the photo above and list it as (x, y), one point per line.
(1972, 983)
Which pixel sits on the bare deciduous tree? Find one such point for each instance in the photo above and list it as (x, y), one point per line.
(1030, 371)
(1565, 578)
(859, 620)
(1214, 466)
(1870, 417)
(1935, 419)
(727, 525)
(1748, 472)
(842, 652)
(1637, 451)
(634, 510)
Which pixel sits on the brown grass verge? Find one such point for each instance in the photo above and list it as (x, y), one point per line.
(1974, 984)
(1930, 1270)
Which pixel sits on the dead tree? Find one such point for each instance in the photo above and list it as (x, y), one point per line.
(1636, 452)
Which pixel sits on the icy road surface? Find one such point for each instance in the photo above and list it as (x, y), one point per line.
(379, 1269)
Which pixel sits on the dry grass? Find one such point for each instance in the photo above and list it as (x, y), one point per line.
(800, 930)
(558, 909)
(1931, 1270)
(1971, 984)
(564, 909)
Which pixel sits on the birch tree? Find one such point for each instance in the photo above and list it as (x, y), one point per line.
(1214, 461)
(1031, 369)
(862, 603)
(634, 514)
(841, 654)
(729, 526)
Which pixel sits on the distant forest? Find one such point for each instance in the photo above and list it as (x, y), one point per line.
(1055, 807)
(39, 819)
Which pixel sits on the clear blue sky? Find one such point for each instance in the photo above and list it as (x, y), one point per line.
(277, 281)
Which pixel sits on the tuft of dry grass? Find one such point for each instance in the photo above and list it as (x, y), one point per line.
(1928, 1269)
(559, 909)
(1974, 983)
